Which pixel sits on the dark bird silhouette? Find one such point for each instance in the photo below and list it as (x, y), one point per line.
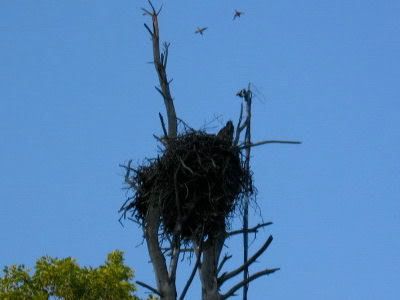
(200, 30)
(237, 14)
(241, 93)
(226, 133)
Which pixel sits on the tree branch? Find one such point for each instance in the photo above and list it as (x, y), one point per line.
(224, 260)
(208, 266)
(174, 259)
(149, 30)
(249, 230)
(181, 250)
(176, 243)
(152, 7)
(152, 223)
(161, 140)
(245, 146)
(238, 126)
(160, 63)
(165, 60)
(236, 287)
(186, 124)
(226, 276)
(163, 125)
(150, 288)
(196, 265)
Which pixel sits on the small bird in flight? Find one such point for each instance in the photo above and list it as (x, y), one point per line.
(200, 30)
(237, 14)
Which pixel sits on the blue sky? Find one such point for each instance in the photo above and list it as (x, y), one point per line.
(77, 99)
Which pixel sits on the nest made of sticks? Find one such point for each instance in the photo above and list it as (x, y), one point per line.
(196, 182)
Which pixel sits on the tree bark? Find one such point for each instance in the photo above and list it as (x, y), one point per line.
(166, 287)
(165, 280)
(209, 266)
(247, 140)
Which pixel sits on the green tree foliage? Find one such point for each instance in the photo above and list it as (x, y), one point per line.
(55, 278)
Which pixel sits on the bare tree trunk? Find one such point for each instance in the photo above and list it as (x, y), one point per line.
(247, 140)
(208, 269)
(165, 279)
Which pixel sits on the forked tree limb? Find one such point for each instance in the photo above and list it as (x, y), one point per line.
(223, 261)
(167, 289)
(249, 230)
(241, 284)
(226, 276)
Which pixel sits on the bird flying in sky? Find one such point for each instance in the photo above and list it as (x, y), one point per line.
(200, 30)
(237, 14)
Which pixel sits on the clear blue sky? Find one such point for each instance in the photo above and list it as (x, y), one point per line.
(77, 99)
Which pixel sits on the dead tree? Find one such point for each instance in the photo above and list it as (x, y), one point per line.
(248, 97)
(181, 210)
(165, 276)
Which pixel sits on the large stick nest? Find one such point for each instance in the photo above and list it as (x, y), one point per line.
(196, 182)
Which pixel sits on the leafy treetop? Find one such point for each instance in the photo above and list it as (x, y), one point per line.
(56, 278)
